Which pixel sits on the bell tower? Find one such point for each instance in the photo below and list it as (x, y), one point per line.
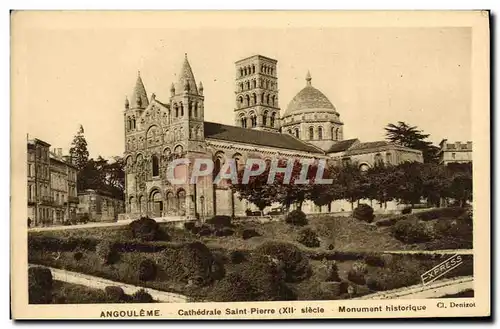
(256, 92)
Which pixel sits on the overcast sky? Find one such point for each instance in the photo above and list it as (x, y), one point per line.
(373, 76)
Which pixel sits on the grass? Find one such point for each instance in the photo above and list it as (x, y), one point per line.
(69, 293)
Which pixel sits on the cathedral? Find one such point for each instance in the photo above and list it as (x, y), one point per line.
(156, 132)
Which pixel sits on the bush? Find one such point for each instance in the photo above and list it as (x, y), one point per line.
(294, 263)
(233, 288)
(106, 252)
(189, 226)
(308, 238)
(450, 212)
(146, 229)
(50, 243)
(78, 255)
(205, 230)
(237, 257)
(142, 296)
(356, 277)
(220, 221)
(360, 267)
(217, 269)
(196, 262)
(406, 210)
(224, 231)
(267, 278)
(147, 270)
(296, 217)
(412, 231)
(374, 260)
(115, 294)
(249, 233)
(363, 212)
(39, 285)
(333, 272)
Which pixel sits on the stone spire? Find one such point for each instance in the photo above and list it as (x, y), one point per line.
(187, 77)
(139, 97)
(127, 104)
(308, 78)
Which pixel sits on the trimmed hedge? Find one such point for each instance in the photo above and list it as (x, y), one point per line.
(233, 288)
(224, 231)
(333, 272)
(107, 253)
(115, 294)
(364, 212)
(142, 296)
(375, 260)
(39, 285)
(412, 231)
(296, 217)
(406, 210)
(308, 238)
(147, 229)
(249, 233)
(220, 221)
(147, 270)
(196, 262)
(449, 212)
(295, 264)
(237, 257)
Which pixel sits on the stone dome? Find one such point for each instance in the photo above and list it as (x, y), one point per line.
(309, 98)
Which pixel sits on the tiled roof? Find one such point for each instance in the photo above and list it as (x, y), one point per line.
(342, 145)
(256, 137)
(374, 147)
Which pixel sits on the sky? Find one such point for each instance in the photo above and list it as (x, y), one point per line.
(373, 76)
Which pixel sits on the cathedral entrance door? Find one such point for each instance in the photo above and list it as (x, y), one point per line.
(157, 208)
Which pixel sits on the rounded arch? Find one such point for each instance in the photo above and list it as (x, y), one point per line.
(152, 134)
(181, 201)
(132, 204)
(254, 98)
(139, 158)
(297, 132)
(311, 133)
(264, 118)
(155, 165)
(273, 101)
(364, 166)
(253, 119)
(320, 132)
(378, 158)
(247, 100)
(273, 119)
(129, 161)
(176, 110)
(179, 149)
(243, 120)
(171, 204)
(240, 102)
(167, 151)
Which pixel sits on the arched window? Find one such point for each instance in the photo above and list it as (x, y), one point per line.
(311, 133)
(274, 101)
(247, 100)
(254, 83)
(264, 118)
(190, 109)
(156, 166)
(195, 108)
(320, 133)
(388, 158)
(253, 68)
(240, 102)
(378, 158)
(176, 109)
(290, 131)
(217, 166)
(273, 119)
(243, 122)
(241, 72)
(297, 132)
(245, 70)
(267, 85)
(182, 110)
(262, 98)
(253, 118)
(337, 134)
(267, 99)
(248, 84)
(241, 86)
(133, 122)
(254, 98)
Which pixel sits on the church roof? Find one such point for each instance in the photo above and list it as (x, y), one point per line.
(139, 93)
(186, 75)
(375, 147)
(341, 146)
(309, 98)
(257, 137)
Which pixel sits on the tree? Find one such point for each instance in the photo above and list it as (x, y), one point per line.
(409, 136)
(408, 185)
(435, 182)
(78, 151)
(353, 184)
(382, 183)
(460, 187)
(257, 191)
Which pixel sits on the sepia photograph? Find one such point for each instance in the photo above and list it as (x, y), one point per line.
(325, 162)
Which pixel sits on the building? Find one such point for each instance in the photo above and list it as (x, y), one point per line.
(157, 132)
(99, 206)
(51, 185)
(457, 152)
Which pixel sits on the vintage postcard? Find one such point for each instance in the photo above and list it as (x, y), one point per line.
(250, 164)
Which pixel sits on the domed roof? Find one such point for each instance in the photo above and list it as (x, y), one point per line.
(309, 98)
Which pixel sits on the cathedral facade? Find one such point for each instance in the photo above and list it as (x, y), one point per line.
(157, 132)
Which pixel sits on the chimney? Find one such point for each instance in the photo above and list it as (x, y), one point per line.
(469, 145)
(457, 145)
(59, 152)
